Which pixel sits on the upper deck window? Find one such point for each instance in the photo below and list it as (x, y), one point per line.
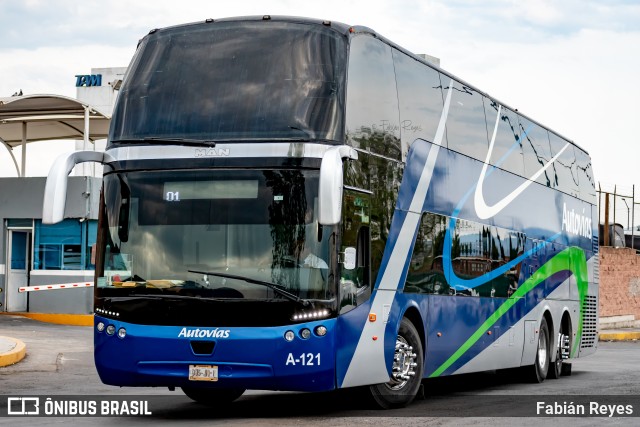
(235, 81)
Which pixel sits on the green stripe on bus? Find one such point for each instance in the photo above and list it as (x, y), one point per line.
(572, 259)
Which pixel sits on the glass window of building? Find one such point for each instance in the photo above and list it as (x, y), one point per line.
(64, 246)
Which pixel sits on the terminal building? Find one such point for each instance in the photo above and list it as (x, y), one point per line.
(34, 254)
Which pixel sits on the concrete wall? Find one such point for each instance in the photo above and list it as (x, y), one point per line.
(619, 282)
(22, 197)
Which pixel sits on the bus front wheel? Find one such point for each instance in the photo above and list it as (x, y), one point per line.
(406, 375)
(212, 397)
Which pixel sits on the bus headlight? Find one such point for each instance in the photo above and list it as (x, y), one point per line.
(111, 330)
(321, 331)
(122, 332)
(289, 336)
(305, 333)
(100, 326)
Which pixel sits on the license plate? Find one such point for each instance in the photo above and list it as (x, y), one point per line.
(203, 373)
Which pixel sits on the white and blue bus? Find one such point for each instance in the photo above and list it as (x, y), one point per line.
(291, 204)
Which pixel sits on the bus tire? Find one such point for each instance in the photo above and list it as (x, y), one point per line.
(556, 369)
(407, 371)
(543, 356)
(213, 397)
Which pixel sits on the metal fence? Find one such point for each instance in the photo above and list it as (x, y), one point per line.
(616, 211)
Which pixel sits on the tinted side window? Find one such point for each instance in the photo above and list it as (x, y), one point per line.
(536, 150)
(420, 95)
(585, 176)
(372, 101)
(385, 178)
(478, 249)
(382, 177)
(565, 168)
(466, 124)
(425, 273)
(354, 283)
(507, 148)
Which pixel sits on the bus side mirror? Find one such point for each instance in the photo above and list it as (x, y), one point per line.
(55, 191)
(331, 183)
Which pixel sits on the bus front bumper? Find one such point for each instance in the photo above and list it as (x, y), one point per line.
(234, 357)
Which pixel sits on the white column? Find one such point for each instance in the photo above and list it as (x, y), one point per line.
(24, 150)
(86, 138)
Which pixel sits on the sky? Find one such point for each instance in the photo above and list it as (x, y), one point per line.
(571, 65)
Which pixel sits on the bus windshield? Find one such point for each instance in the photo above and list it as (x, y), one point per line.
(223, 234)
(234, 81)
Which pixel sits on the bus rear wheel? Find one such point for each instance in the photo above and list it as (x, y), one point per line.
(408, 367)
(563, 347)
(539, 371)
(213, 397)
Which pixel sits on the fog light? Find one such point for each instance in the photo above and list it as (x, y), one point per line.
(289, 336)
(100, 326)
(305, 333)
(321, 331)
(122, 332)
(111, 330)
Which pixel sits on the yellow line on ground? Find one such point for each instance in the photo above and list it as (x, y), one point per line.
(14, 355)
(619, 336)
(59, 318)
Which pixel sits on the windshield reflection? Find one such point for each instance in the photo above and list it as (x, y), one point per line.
(258, 225)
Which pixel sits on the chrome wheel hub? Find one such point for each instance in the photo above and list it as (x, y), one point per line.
(404, 364)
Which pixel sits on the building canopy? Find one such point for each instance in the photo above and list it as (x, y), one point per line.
(31, 118)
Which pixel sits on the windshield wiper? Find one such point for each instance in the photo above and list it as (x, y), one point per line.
(181, 141)
(307, 134)
(170, 140)
(270, 285)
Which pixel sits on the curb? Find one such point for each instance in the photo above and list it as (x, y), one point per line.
(59, 319)
(15, 355)
(619, 336)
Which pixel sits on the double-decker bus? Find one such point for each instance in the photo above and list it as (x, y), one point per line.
(292, 204)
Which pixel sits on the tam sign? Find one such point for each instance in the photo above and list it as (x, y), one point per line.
(88, 80)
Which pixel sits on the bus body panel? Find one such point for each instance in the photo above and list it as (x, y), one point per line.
(257, 358)
(457, 318)
(516, 346)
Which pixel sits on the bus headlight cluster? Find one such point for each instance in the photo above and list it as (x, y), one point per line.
(111, 330)
(305, 333)
(311, 315)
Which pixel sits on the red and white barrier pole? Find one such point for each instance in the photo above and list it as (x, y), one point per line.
(53, 287)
